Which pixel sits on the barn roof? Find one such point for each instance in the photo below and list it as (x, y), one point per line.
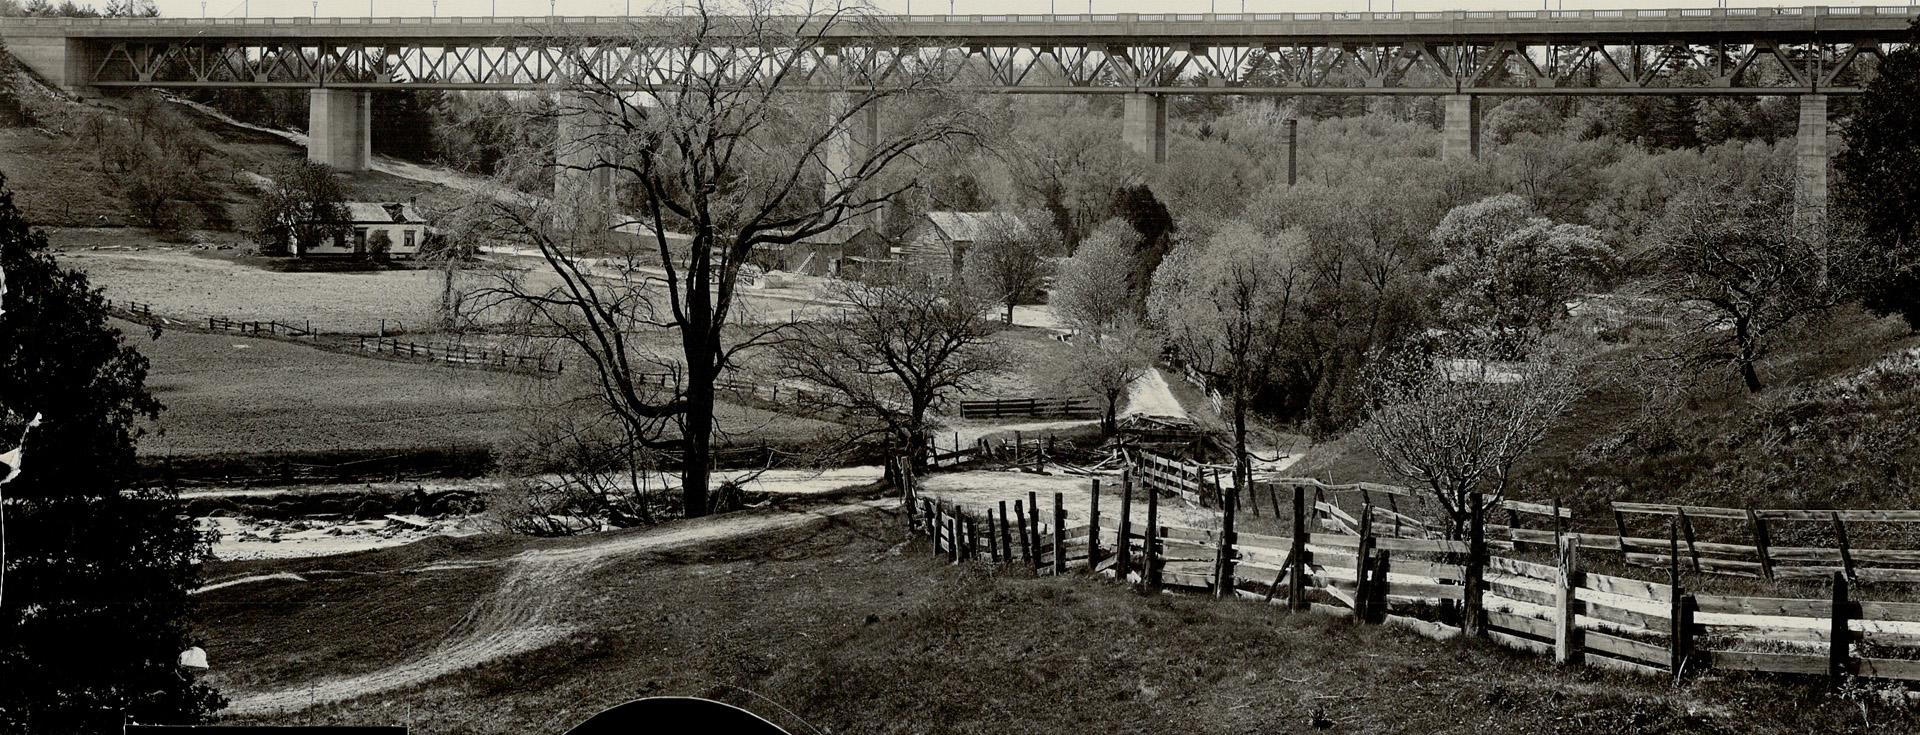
(968, 226)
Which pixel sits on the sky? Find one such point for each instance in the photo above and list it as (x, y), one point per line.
(448, 8)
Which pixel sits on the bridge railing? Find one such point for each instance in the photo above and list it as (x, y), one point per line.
(1121, 18)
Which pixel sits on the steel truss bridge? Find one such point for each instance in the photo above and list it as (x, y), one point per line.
(1696, 51)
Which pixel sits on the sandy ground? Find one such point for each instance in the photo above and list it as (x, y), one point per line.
(520, 615)
(246, 539)
(1150, 396)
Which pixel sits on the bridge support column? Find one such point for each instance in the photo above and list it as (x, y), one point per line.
(340, 128)
(1810, 158)
(583, 191)
(853, 140)
(1461, 137)
(1144, 125)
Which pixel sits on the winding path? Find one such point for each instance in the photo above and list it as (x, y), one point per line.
(523, 613)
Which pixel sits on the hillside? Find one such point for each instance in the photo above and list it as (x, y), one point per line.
(56, 166)
(1834, 428)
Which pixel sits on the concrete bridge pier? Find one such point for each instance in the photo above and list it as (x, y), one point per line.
(1810, 161)
(1144, 125)
(583, 191)
(852, 141)
(340, 128)
(1461, 131)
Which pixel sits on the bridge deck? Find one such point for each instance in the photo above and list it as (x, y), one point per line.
(1651, 25)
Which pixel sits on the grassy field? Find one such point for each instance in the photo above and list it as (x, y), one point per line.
(844, 628)
(231, 396)
(180, 283)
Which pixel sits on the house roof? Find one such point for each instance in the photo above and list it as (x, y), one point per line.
(383, 213)
(968, 226)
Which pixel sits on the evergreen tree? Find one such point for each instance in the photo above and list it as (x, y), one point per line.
(93, 601)
(1878, 190)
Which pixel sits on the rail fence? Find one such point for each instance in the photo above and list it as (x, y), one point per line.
(462, 355)
(262, 329)
(994, 408)
(1385, 568)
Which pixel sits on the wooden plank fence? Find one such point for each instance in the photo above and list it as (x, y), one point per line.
(266, 328)
(993, 408)
(1557, 609)
(461, 355)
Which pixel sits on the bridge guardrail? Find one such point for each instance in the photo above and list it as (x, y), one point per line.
(1454, 15)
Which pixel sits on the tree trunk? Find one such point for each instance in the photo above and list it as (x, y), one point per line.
(1743, 334)
(918, 438)
(1242, 469)
(1009, 312)
(697, 455)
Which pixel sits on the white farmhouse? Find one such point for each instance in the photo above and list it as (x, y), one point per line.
(403, 226)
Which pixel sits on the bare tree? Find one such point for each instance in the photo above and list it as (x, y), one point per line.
(696, 119)
(902, 344)
(1007, 264)
(1107, 362)
(1459, 425)
(1734, 257)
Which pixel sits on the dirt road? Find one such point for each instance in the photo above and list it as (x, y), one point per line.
(523, 613)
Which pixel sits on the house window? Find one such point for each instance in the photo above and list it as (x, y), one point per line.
(360, 239)
(409, 240)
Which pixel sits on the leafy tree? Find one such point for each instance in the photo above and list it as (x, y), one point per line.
(1507, 275)
(96, 567)
(403, 123)
(304, 202)
(379, 245)
(1138, 207)
(1062, 159)
(1085, 293)
(1228, 309)
(1878, 188)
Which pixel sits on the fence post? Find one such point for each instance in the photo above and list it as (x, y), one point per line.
(1760, 543)
(1474, 587)
(1679, 614)
(993, 543)
(1033, 526)
(1026, 542)
(1150, 569)
(1846, 551)
(1566, 643)
(1377, 587)
(1223, 565)
(936, 521)
(1123, 541)
(1297, 575)
(1006, 540)
(1093, 528)
(1059, 534)
(1363, 577)
(953, 547)
(1620, 525)
(1838, 637)
(973, 539)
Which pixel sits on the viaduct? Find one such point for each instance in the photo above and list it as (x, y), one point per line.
(1806, 52)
